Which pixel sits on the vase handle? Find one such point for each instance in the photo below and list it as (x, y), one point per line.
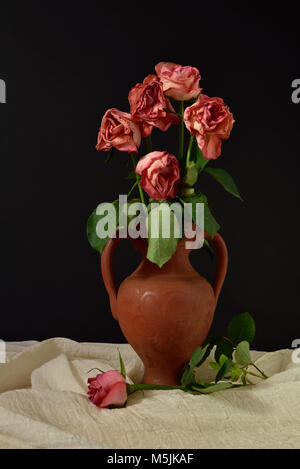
(107, 273)
(222, 262)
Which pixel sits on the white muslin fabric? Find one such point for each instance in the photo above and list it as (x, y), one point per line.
(43, 403)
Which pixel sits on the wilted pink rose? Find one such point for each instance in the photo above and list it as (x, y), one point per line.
(119, 130)
(148, 104)
(108, 389)
(160, 174)
(210, 120)
(180, 83)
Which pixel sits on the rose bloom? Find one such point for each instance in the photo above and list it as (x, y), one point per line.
(147, 104)
(210, 120)
(108, 389)
(160, 174)
(118, 130)
(180, 83)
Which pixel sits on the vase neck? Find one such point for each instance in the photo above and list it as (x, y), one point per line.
(177, 265)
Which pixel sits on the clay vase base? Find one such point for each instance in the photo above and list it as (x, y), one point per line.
(164, 312)
(162, 377)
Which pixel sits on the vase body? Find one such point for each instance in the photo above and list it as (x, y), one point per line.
(164, 313)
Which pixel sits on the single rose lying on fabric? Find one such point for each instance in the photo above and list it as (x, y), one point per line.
(119, 130)
(180, 83)
(210, 120)
(108, 389)
(148, 104)
(160, 173)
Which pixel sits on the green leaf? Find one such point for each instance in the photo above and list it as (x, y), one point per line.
(224, 369)
(223, 347)
(225, 180)
(214, 365)
(242, 353)
(199, 355)
(191, 175)
(161, 249)
(244, 374)
(98, 243)
(122, 366)
(223, 359)
(241, 327)
(235, 372)
(197, 156)
(188, 376)
(213, 388)
(210, 224)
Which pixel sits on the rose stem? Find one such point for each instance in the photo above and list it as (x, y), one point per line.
(132, 188)
(189, 150)
(137, 178)
(181, 128)
(263, 374)
(149, 144)
(137, 387)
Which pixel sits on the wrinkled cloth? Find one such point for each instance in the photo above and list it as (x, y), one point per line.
(43, 403)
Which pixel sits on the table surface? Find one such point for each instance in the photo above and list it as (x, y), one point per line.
(43, 403)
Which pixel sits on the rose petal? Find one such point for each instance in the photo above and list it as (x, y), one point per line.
(117, 395)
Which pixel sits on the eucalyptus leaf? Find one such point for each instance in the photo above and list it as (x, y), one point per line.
(223, 347)
(215, 366)
(199, 355)
(223, 359)
(223, 371)
(235, 372)
(225, 180)
(242, 353)
(241, 327)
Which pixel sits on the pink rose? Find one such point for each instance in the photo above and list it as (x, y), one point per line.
(148, 104)
(210, 121)
(108, 389)
(119, 130)
(180, 83)
(160, 174)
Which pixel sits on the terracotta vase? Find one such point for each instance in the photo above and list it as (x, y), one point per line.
(164, 313)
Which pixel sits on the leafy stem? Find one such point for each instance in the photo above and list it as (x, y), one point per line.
(132, 188)
(264, 376)
(192, 138)
(137, 387)
(181, 129)
(137, 178)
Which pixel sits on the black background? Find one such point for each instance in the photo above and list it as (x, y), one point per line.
(64, 64)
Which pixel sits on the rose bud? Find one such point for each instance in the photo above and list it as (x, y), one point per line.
(108, 389)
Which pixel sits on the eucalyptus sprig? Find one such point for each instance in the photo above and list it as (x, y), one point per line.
(232, 367)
